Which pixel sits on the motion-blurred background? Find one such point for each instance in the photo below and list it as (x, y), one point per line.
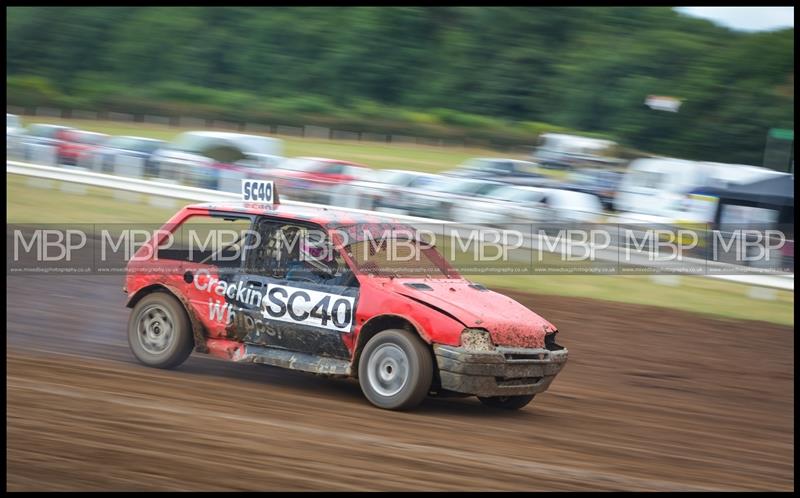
(487, 76)
(486, 115)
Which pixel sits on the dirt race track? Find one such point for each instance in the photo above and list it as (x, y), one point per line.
(649, 400)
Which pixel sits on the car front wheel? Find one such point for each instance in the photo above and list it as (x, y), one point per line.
(395, 370)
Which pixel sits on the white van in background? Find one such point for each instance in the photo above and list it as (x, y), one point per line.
(657, 188)
(560, 151)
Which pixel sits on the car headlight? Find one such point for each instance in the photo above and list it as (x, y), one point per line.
(476, 340)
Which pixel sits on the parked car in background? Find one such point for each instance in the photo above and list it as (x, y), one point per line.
(13, 124)
(502, 205)
(76, 146)
(511, 171)
(42, 134)
(14, 133)
(435, 196)
(489, 167)
(205, 158)
(129, 146)
(379, 192)
(600, 182)
(316, 179)
(521, 205)
(566, 206)
(560, 151)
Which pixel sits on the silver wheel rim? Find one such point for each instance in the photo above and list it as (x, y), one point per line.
(155, 329)
(388, 370)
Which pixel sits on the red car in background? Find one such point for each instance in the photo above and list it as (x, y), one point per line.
(315, 179)
(77, 145)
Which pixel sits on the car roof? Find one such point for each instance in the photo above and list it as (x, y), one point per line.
(87, 132)
(408, 171)
(500, 159)
(140, 138)
(46, 125)
(227, 134)
(327, 216)
(467, 179)
(526, 187)
(423, 173)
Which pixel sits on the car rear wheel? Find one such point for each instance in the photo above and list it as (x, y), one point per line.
(395, 370)
(159, 332)
(507, 402)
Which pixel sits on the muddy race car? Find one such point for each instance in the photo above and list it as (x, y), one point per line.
(317, 290)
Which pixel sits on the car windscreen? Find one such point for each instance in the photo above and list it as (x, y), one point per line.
(330, 168)
(469, 187)
(476, 165)
(515, 194)
(427, 182)
(526, 167)
(647, 179)
(501, 166)
(394, 177)
(44, 131)
(255, 145)
(398, 257)
(189, 142)
(299, 164)
(490, 166)
(119, 142)
(147, 146)
(89, 138)
(574, 201)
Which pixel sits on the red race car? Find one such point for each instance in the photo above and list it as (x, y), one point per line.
(318, 290)
(77, 145)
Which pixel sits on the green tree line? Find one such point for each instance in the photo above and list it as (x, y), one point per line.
(501, 73)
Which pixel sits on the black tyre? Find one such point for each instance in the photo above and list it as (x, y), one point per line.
(395, 370)
(159, 331)
(507, 402)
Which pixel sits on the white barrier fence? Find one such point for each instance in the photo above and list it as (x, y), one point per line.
(132, 183)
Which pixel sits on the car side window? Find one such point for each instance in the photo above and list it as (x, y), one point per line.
(333, 169)
(297, 252)
(215, 240)
(262, 256)
(505, 167)
(486, 189)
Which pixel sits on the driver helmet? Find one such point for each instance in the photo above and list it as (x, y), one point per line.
(315, 250)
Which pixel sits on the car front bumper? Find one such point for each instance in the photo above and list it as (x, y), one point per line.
(501, 372)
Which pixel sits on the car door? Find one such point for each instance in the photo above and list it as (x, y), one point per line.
(274, 308)
(200, 260)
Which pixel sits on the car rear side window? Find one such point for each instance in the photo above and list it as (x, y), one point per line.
(332, 169)
(215, 240)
